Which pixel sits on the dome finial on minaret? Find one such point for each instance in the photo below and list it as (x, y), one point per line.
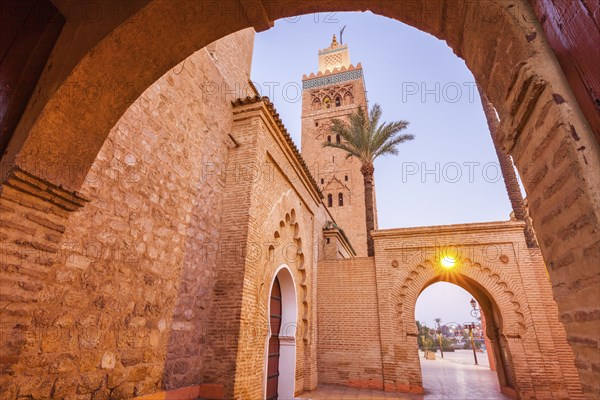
(334, 42)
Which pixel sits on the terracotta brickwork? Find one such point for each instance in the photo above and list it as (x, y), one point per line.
(378, 297)
(285, 221)
(58, 311)
(348, 324)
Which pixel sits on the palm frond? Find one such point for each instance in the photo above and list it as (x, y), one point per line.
(364, 137)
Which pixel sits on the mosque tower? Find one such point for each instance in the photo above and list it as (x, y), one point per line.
(335, 91)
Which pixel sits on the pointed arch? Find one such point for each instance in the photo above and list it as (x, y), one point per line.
(281, 337)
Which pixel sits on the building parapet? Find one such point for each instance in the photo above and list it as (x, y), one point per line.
(328, 77)
(443, 230)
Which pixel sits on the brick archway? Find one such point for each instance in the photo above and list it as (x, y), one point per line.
(63, 130)
(498, 297)
(509, 282)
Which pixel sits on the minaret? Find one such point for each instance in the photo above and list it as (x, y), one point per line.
(335, 91)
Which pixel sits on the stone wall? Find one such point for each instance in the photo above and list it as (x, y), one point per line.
(132, 44)
(128, 289)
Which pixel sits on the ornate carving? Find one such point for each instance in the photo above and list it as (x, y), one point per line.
(287, 247)
(428, 266)
(332, 96)
(331, 79)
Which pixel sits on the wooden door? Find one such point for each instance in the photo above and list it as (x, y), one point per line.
(273, 363)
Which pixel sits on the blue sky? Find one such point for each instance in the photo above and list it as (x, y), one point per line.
(449, 174)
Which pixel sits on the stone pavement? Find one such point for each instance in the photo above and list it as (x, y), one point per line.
(454, 378)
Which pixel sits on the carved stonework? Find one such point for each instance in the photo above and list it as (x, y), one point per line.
(323, 130)
(332, 96)
(286, 247)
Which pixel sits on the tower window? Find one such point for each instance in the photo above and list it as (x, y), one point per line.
(316, 123)
(337, 139)
(348, 98)
(322, 181)
(346, 178)
(338, 102)
(316, 104)
(341, 199)
(329, 200)
(329, 139)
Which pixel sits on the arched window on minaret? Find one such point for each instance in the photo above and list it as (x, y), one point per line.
(338, 101)
(329, 200)
(337, 139)
(341, 199)
(316, 104)
(329, 139)
(327, 102)
(348, 98)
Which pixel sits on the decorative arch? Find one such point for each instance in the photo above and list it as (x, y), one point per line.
(316, 104)
(498, 288)
(286, 336)
(348, 98)
(496, 294)
(287, 248)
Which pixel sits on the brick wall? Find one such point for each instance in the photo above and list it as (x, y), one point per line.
(348, 324)
(366, 327)
(507, 279)
(285, 220)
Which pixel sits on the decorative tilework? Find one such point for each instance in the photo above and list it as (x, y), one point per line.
(331, 79)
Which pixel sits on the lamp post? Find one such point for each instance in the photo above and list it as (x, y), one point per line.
(471, 326)
(476, 313)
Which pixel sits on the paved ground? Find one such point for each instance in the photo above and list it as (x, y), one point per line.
(453, 378)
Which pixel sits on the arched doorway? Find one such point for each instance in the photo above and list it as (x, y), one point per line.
(463, 358)
(495, 296)
(280, 368)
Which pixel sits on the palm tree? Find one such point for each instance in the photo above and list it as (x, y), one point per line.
(366, 139)
(508, 172)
